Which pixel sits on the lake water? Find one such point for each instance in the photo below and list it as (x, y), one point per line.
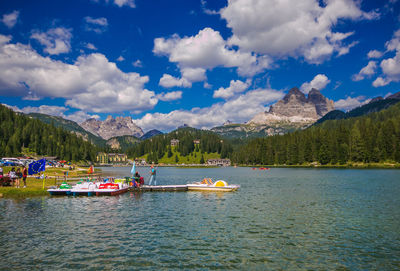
(303, 219)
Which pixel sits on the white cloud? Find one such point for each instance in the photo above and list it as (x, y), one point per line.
(380, 82)
(170, 96)
(235, 86)
(10, 19)
(137, 64)
(90, 46)
(319, 82)
(121, 3)
(291, 28)
(239, 110)
(374, 54)
(120, 58)
(350, 103)
(168, 81)
(206, 51)
(367, 71)
(56, 40)
(206, 10)
(390, 66)
(98, 25)
(92, 83)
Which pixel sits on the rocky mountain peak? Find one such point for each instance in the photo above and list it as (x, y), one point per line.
(111, 127)
(296, 108)
(295, 93)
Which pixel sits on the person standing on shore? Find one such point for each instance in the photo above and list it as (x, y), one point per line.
(18, 177)
(12, 175)
(152, 175)
(24, 175)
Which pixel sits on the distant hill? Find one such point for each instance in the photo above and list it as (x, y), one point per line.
(122, 142)
(20, 133)
(150, 134)
(192, 146)
(375, 105)
(69, 125)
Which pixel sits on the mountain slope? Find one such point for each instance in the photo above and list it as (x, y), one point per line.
(111, 127)
(150, 134)
(375, 105)
(69, 125)
(122, 142)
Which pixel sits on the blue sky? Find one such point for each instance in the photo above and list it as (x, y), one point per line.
(199, 62)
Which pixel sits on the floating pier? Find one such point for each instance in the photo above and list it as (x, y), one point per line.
(161, 188)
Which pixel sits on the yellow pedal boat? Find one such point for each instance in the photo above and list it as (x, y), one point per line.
(209, 185)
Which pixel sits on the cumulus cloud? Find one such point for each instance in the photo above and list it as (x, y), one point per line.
(239, 109)
(169, 81)
(120, 58)
(390, 66)
(319, 82)
(170, 96)
(374, 54)
(97, 25)
(56, 40)
(367, 71)
(10, 19)
(206, 51)
(350, 103)
(91, 83)
(291, 28)
(235, 86)
(53, 110)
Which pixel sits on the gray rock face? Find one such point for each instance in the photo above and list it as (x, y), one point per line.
(296, 108)
(322, 104)
(111, 127)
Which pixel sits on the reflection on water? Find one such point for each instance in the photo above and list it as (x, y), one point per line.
(278, 219)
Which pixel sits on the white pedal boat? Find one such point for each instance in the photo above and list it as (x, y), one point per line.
(84, 188)
(209, 185)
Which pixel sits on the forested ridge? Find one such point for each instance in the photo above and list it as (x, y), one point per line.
(18, 131)
(372, 138)
(156, 147)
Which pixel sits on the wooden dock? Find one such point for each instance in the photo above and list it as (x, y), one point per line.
(161, 188)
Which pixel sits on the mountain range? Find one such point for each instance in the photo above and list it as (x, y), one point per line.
(295, 111)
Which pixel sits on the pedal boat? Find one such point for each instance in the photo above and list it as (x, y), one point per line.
(84, 188)
(64, 189)
(209, 185)
(111, 189)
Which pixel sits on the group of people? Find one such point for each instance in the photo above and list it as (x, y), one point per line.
(139, 181)
(16, 175)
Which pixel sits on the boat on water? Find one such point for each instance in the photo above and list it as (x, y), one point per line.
(84, 188)
(64, 189)
(91, 188)
(208, 185)
(111, 189)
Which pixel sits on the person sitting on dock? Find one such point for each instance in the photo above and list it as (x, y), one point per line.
(152, 175)
(136, 179)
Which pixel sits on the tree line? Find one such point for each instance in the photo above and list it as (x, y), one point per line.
(18, 131)
(156, 147)
(371, 138)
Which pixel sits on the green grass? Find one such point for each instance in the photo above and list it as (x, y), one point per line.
(193, 158)
(35, 186)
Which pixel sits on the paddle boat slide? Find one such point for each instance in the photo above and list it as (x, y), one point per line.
(209, 185)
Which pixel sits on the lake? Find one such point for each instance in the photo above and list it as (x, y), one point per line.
(302, 219)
